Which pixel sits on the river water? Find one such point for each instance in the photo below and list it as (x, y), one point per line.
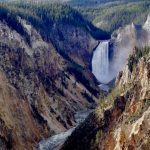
(100, 68)
(57, 140)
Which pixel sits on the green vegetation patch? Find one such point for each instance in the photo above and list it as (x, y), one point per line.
(111, 15)
(108, 101)
(134, 58)
(43, 16)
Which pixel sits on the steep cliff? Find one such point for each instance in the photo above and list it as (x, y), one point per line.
(122, 120)
(130, 129)
(123, 42)
(40, 88)
(75, 43)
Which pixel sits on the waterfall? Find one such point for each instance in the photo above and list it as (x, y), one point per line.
(100, 62)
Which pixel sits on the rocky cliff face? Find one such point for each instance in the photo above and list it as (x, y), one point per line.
(74, 42)
(131, 129)
(123, 42)
(122, 120)
(40, 90)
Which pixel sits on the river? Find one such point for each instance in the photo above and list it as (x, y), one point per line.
(54, 141)
(100, 68)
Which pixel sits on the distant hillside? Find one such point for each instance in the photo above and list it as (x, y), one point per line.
(108, 15)
(96, 2)
(113, 14)
(40, 15)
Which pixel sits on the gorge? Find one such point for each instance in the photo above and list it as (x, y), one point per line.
(65, 86)
(122, 118)
(106, 67)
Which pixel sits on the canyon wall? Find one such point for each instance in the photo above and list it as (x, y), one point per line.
(123, 42)
(122, 120)
(40, 90)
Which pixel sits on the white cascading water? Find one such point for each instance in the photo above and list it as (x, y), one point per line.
(100, 62)
(54, 141)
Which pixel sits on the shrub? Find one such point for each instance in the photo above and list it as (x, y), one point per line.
(44, 15)
(134, 58)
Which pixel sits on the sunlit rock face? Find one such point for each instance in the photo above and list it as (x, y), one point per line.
(124, 42)
(147, 23)
(39, 90)
(122, 46)
(124, 124)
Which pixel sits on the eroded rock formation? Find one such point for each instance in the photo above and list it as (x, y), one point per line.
(123, 42)
(122, 120)
(40, 90)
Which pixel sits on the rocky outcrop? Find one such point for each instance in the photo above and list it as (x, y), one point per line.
(146, 25)
(122, 120)
(131, 129)
(123, 42)
(84, 136)
(76, 43)
(40, 90)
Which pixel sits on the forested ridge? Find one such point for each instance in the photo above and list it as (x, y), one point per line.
(44, 15)
(95, 2)
(107, 15)
(112, 14)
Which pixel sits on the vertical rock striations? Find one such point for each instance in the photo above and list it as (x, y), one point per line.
(123, 42)
(40, 90)
(122, 120)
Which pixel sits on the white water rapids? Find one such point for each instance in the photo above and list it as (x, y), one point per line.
(57, 140)
(54, 141)
(100, 62)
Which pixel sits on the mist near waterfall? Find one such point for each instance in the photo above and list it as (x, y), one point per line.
(122, 46)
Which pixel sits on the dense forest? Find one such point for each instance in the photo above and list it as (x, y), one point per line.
(107, 15)
(44, 15)
(112, 14)
(95, 2)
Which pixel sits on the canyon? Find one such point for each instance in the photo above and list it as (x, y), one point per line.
(63, 88)
(122, 119)
(102, 67)
(41, 89)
